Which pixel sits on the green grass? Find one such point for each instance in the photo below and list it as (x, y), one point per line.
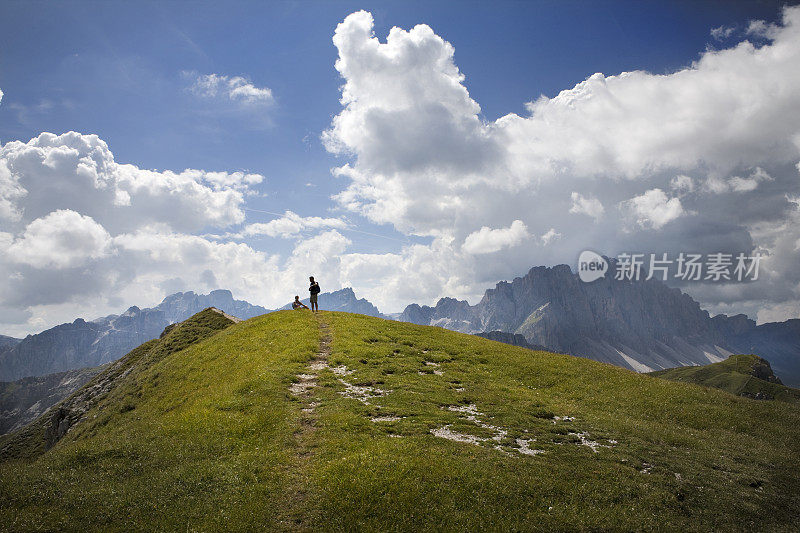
(734, 375)
(208, 438)
(531, 321)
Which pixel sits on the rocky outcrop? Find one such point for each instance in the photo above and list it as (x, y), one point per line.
(761, 369)
(641, 325)
(777, 341)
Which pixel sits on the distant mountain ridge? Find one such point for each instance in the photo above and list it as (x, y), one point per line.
(24, 400)
(7, 342)
(343, 300)
(641, 325)
(81, 343)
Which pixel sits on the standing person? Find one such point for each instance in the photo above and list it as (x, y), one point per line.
(314, 290)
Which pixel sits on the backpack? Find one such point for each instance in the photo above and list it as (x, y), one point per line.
(315, 289)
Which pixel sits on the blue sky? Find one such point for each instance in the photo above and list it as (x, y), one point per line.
(125, 72)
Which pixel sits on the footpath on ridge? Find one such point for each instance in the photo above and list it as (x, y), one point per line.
(304, 441)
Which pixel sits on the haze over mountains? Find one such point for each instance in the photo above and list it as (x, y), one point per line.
(640, 325)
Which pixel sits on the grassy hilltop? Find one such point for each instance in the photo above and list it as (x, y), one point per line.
(743, 375)
(291, 421)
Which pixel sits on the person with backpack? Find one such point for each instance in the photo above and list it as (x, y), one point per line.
(314, 290)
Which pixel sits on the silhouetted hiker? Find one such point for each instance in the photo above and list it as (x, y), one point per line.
(314, 290)
(297, 304)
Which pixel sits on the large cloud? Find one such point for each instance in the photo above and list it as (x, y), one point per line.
(291, 225)
(700, 160)
(487, 240)
(61, 239)
(423, 160)
(81, 234)
(653, 208)
(79, 172)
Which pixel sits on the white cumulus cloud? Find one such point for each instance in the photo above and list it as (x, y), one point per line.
(653, 208)
(587, 206)
(61, 239)
(717, 185)
(422, 159)
(78, 172)
(487, 240)
(720, 33)
(290, 225)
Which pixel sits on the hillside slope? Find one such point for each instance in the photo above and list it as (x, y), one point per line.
(744, 375)
(114, 382)
(292, 421)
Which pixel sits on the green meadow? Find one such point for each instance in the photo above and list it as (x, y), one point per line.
(300, 422)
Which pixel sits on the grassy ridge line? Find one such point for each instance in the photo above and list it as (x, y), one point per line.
(43, 433)
(207, 446)
(212, 442)
(736, 375)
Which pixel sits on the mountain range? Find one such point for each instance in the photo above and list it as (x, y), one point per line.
(640, 325)
(82, 343)
(26, 399)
